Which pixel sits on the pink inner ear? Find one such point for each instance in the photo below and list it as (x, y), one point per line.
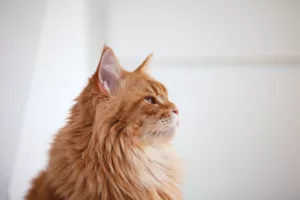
(108, 80)
(109, 71)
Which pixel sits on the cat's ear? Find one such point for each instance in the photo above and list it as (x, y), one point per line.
(109, 71)
(144, 66)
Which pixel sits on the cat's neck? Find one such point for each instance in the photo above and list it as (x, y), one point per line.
(142, 166)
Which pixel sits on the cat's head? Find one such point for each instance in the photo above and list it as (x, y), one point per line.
(135, 99)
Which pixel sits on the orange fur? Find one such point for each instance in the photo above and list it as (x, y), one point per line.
(111, 147)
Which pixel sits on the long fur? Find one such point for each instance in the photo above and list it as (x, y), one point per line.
(100, 153)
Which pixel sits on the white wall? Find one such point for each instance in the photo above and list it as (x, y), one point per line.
(239, 133)
(233, 69)
(240, 122)
(208, 31)
(65, 50)
(19, 35)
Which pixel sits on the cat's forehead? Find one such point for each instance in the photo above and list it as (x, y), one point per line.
(149, 85)
(156, 87)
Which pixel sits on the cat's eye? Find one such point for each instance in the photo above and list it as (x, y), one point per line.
(150, 99)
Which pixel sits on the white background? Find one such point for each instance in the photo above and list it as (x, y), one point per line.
(231, 66)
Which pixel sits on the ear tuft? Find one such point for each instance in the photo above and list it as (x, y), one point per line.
(144, 66)
(109, 71)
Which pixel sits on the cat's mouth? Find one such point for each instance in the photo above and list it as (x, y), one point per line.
(162, 130)
(167, 128)
(169, 124)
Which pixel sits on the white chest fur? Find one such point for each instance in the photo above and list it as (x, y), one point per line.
(157, 167)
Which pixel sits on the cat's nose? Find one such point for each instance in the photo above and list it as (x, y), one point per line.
(176, 111)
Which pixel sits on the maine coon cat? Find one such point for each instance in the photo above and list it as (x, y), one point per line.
(116, 142)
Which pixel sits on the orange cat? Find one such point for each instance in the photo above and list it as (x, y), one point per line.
(115, 144)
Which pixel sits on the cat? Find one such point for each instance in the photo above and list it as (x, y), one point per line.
(116, 142)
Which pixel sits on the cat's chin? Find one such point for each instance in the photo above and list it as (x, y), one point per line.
(164, 133)
(173, 130)
(166, 136)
